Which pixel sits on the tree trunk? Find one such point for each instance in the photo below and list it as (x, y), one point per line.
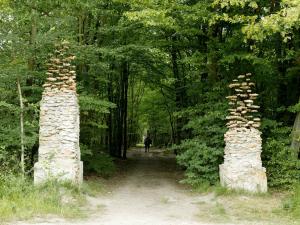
(120, 115)
(33, 34)
(179, 94)
(171, 120)
(80, 28)
(212, 68)
(212, 58)
(21, 128)
(110, 119)
(125, 106)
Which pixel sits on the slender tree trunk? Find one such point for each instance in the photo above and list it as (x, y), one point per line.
(21, 128)
(212, 69)
(120, 122)
(32, 66)
(131, 117)
(170, 118)
(212, 59)
(33, 34)
(80, 29)
(178, 94)
(296, 135)
(125, 109)
(110, 119)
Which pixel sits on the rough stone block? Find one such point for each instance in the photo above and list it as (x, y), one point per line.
(242, 168)
(59, 152)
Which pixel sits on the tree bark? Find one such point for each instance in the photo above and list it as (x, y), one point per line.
(110, 119)
(21, 128)
(120, 114)
(125, 108)
(179, 94)
(33, 34)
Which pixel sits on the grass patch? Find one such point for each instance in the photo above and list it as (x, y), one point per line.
(93, 186)
(275, 207)
(223, 191)
(213, 212)
(21, 200)
(219, 209)
(291, 204)
(201, 187)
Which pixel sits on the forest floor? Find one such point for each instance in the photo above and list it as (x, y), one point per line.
(147, 192)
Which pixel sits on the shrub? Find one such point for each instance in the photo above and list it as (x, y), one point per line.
(282, 167)
(201, 162)
(100, 163)
(202, 154)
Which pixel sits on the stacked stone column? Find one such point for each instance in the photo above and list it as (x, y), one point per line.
(242, 168)
(59, 152)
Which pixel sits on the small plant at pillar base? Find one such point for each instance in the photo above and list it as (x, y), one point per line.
(61, 74)
(243, 111)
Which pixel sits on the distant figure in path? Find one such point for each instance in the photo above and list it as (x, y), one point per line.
(147, 143)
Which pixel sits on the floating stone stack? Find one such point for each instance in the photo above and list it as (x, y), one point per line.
(59, 152)
(61, 74)
(242, 168)
(243, 112)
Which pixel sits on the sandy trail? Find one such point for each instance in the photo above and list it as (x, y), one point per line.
(148, 194)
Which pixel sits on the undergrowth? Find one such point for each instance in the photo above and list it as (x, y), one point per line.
(97, 162)
(277, 206)
(202, 154)
(291, 204)
(21, 200)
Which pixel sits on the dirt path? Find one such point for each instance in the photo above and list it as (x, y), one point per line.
(148, 194)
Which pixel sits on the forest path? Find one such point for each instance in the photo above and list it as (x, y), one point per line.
(146, 193)
(149, 193)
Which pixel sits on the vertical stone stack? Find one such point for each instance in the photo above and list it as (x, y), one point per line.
(242, 168)
(59, 152)
(243, 110)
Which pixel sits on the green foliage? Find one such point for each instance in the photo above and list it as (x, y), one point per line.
(283, 168)
(157, 117)
(93, 111)
(295, 108)
(10, 126)
(177, 56)
(201, 162)
(287, 18)
(202, 154)
(90, 104)
(99, 163)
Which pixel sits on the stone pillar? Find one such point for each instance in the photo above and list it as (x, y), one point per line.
(242, 168)
(59, 152)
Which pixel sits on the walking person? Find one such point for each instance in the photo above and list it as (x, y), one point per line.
(147, 143)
